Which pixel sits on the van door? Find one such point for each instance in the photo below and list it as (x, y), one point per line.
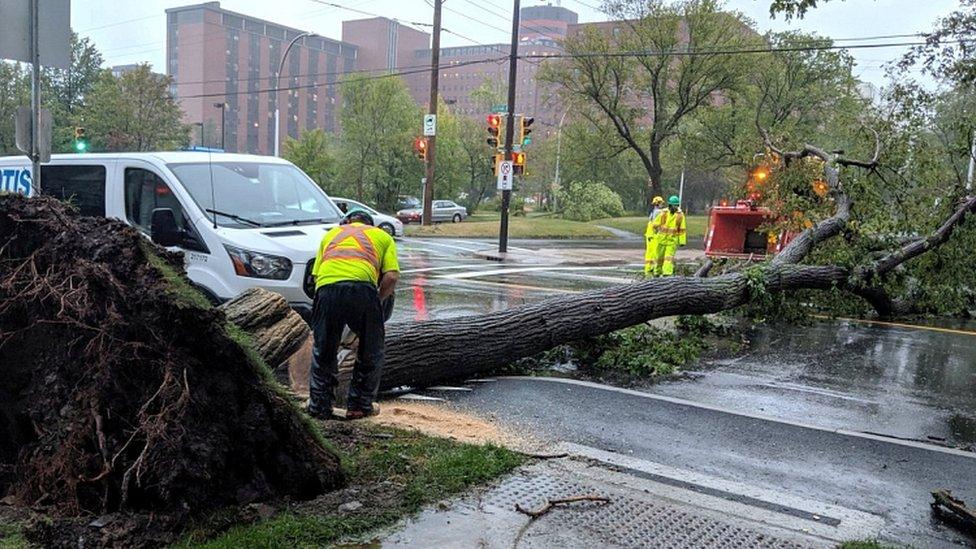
(144, 190)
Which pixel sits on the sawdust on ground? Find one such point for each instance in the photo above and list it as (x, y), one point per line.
(442, 421)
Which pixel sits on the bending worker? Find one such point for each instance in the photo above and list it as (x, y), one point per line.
(355, 270)
(650, 237)
(670, 231)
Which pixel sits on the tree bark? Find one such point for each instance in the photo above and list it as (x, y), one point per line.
(276, 330)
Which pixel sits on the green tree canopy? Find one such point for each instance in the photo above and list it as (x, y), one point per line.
(134, 112)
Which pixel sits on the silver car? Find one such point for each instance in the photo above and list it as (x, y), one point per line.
(442, 210)
(388, 223)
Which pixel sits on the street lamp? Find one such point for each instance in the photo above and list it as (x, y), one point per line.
(559, 146)
(222, 107)
(281, 65)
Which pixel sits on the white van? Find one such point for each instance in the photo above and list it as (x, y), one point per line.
(241, 220)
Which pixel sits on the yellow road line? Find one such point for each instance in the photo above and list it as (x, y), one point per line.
(900, 325)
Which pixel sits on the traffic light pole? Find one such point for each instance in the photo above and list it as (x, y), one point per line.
(435, 58)
(510, 124)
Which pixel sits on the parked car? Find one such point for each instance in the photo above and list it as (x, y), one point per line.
(388, 223)
(443, 210)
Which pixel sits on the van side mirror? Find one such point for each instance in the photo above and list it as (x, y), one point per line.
(164, 229)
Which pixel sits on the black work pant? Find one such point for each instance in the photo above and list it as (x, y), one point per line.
(357, 305)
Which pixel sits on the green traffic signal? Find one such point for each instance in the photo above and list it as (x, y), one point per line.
(81, 145)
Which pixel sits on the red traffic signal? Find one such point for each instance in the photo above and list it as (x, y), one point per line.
(494, 125)
(420, 147)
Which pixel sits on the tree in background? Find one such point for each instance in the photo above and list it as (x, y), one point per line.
(313, 153)
(134, 112)
(14, 92)
(379, 122)
(637, 78)
(65, 90)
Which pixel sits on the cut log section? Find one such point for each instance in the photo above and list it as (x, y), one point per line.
(277, 330)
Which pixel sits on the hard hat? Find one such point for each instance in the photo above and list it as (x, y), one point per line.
(674, 200)
(657, 200)
(358, 215)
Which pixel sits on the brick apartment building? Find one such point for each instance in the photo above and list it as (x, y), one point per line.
(218, 56)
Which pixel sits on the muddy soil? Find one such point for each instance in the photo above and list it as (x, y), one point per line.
(122, 396)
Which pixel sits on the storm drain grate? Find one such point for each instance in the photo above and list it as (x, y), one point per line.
(626, 521)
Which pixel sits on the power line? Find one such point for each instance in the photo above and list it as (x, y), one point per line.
(100, 27)
(693, 53)
(341, 82)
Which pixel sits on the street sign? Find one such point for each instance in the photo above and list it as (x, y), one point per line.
(54, 32)
(430, 125)
(22, 132)
(505, 175)
(499, 109)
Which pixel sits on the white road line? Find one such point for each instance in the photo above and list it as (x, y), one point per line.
(475, 274)
(442, 268)
(683, 402)
(519, 286)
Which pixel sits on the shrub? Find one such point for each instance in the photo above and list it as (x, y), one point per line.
(588, 200)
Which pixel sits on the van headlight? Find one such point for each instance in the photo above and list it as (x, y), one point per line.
(259, 265)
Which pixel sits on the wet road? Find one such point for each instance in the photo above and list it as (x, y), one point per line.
(767, 417)
(897, 381)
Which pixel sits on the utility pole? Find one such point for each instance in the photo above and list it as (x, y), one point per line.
(435, 61)
(35, 55)
(510, 123)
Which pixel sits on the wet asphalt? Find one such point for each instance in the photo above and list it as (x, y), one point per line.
(864, 379)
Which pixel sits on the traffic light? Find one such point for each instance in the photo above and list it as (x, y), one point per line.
(494, 128)
(81, 142)
(525, 130)
(495, 161)
(420, 147)
(518, 163)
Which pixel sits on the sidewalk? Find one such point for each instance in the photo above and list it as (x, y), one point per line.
(650, 505)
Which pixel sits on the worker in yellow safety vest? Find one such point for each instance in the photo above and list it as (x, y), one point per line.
(670, 231)
(650, 238)
(355, 270)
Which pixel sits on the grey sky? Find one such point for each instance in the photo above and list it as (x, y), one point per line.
(131, 32)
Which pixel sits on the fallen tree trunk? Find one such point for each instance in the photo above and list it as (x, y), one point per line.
(439, 351)
(429, 353)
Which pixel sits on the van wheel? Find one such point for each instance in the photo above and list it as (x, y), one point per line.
(388, 228)
(211, 297)
(457, 218)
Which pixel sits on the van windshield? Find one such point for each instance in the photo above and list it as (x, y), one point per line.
(252, 194)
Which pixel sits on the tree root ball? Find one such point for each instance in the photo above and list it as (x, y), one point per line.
(121, 392)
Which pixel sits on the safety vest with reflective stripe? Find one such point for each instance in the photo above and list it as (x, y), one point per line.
(354, 253)
(364, 249)
(670, 228)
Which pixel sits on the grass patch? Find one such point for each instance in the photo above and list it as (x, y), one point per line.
(177, 284)
(401, 474)
(11, 536)
(864, 544)
(695, 224)
(518, 227)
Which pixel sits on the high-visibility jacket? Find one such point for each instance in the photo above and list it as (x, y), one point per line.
(670, 227)
(354, 253)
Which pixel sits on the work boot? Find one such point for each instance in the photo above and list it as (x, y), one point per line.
(320, 413)
(360, 414)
